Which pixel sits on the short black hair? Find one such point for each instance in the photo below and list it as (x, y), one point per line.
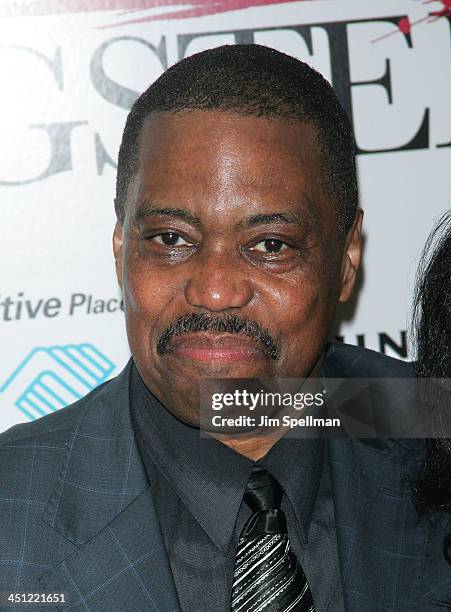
(256, 81)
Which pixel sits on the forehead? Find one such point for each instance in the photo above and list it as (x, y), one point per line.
(212, 159)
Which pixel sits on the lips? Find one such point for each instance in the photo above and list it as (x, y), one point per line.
(202, 346)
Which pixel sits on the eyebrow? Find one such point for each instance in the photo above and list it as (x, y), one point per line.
(157, 211)
(285, 217)
(150, 210)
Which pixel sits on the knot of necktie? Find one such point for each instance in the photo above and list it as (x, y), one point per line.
(263, 496)
(262, 491)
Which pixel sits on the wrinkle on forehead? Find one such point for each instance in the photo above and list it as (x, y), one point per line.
(207, 161)
(277, 143)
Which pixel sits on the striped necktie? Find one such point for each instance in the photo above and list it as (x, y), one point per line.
(267, 576)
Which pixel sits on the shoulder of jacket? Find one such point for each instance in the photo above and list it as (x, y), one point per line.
(55, 426)
(359, 362)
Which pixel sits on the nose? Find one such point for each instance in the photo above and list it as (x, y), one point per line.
(218, 283)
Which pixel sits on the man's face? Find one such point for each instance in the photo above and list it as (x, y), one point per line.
(226, 219)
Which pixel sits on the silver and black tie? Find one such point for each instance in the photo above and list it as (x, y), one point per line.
(267, 576)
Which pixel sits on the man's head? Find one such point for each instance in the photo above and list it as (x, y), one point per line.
(237, 230)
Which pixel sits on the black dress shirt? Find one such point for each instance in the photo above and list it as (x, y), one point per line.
(199, 485)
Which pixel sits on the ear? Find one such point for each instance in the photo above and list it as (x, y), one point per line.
(117, 250)
(351, 257)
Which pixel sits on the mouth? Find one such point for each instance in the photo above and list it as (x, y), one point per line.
(214, 347)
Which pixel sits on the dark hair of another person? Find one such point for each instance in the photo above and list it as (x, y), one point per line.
(251, 80)
(432, 327)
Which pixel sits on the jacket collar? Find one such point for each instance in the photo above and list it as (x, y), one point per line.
(103, 505)
(102, 472)
(365, 407)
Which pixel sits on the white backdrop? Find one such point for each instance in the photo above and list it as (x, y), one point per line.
(68, 78)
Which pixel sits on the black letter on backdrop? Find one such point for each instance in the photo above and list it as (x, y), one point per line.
(339, 58)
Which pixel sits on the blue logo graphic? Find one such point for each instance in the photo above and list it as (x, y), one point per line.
(54, 377)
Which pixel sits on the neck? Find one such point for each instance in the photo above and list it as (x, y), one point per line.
(256, 446)
(253, 448)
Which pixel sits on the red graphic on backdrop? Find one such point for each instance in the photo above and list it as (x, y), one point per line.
(405, 25)
(178, 9)
(444, 12)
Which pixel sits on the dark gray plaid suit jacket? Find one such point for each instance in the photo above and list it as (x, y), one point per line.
(77, 513)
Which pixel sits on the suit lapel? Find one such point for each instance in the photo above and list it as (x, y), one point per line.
(381, 542)
(103, 504)
(123, 567)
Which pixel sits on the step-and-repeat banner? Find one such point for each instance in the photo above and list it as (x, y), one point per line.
(69, 72)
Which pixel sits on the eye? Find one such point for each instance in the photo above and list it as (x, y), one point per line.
(170, 239)
(270, 245)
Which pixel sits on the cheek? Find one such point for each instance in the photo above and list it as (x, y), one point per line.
(294, 303)
(304, 302)
(304, 309)
(147, 289)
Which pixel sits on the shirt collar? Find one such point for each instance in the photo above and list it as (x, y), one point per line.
(209, 477)
(297, 464)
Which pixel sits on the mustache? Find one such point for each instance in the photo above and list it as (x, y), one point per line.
(230, 324)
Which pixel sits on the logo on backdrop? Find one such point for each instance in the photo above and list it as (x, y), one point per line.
(399, 74)
(54, 377)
